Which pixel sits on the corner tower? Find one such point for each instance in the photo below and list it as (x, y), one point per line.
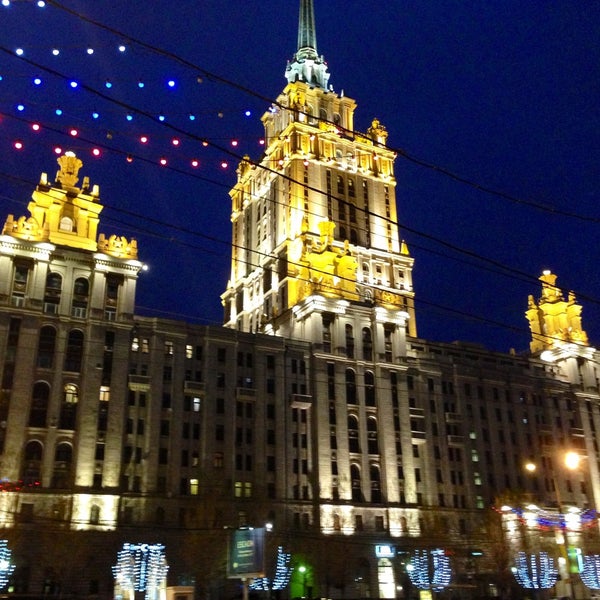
(316, 247)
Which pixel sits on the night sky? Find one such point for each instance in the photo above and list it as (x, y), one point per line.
(500, 96)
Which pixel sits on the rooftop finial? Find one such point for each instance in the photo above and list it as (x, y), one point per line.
(307, 65)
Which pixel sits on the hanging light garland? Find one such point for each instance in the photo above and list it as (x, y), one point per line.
(544, 519)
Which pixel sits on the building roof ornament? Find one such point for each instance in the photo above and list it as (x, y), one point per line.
(69, 168)
(307, 65)
(68, 216)
(555, 322)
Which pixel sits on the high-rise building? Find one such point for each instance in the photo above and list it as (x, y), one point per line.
(315, 408)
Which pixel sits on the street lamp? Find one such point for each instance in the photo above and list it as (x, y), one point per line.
(302, 569)
(571, 461)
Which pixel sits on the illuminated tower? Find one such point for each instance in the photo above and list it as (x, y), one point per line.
(316, 250)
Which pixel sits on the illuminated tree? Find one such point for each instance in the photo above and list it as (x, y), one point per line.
(590, 574)
(430, 570)
(282, 575)
(6, 568)
(535, 571)
(141, 568)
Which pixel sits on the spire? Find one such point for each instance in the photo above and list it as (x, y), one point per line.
(307, 36)
(307, 65)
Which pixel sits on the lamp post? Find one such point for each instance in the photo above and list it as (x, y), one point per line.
(302, 569)
(571, 462)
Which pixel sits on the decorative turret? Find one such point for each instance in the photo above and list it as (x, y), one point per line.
(66, 215)
(555, 323)
(307, 65)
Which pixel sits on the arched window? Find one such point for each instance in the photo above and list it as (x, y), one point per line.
(40, 397)
(66, 224)
(372, 435)
(375, 483)
(46, 344)
(52, 293)
(74, 352)
(81, 292)
(68, 409)
(353, 433)
(63, 458)
(356, 483)
(350, 387)
(369, 388)
(32, 462)
(349, 342)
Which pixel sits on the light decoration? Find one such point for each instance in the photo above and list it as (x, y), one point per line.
(535, 571)
(283, 572)
(430, 569)
(141, 568)
(590, 573)
(6, 567)
(545, 520)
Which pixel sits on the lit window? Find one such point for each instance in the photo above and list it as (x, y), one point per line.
(145, 345)
(238, 489)
(169, 348)
(189, 351)
(104, 393)
(247, 489)
(193, 487)
(196, 404)
(135, 344)
(71, 394)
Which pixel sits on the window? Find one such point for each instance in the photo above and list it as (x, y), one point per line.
(74, 352)
(38, 413)
(52, 293)
(104, 395)
(369, 388)
(367, 344)
(353, 434)
(81, 291)
(68, 410)
(168, 348)
(350, 386)
(189, 351)
(349, 341)
(46, 344)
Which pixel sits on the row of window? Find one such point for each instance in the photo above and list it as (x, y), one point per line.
(53, 292)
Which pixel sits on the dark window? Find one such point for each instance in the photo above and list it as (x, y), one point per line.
(74, 353)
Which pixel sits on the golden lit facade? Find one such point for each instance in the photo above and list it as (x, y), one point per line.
(316, 408)
(314, 223)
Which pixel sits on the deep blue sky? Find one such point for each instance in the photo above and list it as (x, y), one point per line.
(503, 94)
